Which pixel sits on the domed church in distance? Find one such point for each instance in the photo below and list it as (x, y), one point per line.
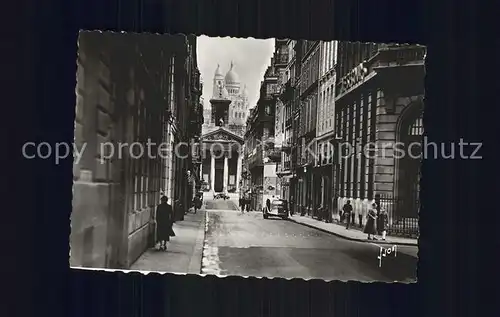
(228, 88)
(222, 133)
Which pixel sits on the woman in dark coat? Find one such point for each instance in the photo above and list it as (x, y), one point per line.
(370, 223)
(196, 203)
(164, 223)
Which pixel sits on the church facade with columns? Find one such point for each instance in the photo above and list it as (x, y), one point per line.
(222, 133)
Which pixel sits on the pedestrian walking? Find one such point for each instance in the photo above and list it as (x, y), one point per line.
(242, 204)
(380, 220)
(196, 203)
(164, 222)
(383, 222)
(361, 214)
(370, 222)
(347, 211)
(268, 205)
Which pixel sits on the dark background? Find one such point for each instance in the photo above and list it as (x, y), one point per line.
(457, 196)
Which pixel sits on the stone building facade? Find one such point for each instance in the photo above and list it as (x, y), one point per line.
(289, 97)
(260, 155)
(129, 89)
(379, 99)
(325, 127)
(308, 92)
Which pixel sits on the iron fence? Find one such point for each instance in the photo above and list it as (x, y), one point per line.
(403, 216)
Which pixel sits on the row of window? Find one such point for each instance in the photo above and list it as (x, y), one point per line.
(356, 123)
(310, 71)
(309, 115)
(328, 56)
(239, 115)
(271, 89)
(148, 174)
(288, 111)
(291, 50)
(351, 54)
(307, 44)
(326, 108)
(237, 104)
(325, 153)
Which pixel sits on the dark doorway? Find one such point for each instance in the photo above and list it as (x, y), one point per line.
(411, 132)
(219, 175)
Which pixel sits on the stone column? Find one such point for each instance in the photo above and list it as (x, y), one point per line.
(212, 171)
(238, 172)
(226, 172)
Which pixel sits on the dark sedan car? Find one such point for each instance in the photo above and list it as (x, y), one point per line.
(279, 208)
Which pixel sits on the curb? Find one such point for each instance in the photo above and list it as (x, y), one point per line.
(195, 268)
(204, 243)
(208, 256)
(352, 239)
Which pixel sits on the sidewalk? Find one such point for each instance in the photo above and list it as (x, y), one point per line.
(350, 234)
(184, 250)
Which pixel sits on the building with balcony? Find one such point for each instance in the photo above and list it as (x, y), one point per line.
(285, 170)
(194, 125)
(131, 88)
(325, 125)
(281, 56)
(308, 96)
(379, 98)
(261, 156)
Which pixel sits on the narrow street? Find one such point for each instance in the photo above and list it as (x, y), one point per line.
(247, 245)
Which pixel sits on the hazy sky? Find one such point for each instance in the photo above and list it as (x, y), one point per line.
(251, 57)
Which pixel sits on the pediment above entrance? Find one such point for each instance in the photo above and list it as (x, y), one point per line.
(221, 134)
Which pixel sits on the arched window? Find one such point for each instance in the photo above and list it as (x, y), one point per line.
(417, 127)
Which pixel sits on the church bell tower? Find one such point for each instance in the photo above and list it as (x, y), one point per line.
(219, 101)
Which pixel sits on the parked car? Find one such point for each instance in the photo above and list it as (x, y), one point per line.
(279, 208)
(221, 195)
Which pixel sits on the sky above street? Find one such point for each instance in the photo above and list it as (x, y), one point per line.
(250, 56)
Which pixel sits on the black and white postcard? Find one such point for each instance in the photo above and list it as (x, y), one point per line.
(248, 157)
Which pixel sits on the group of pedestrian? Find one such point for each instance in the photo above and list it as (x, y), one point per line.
(377, 221)
(165, 217)
(244, 203)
